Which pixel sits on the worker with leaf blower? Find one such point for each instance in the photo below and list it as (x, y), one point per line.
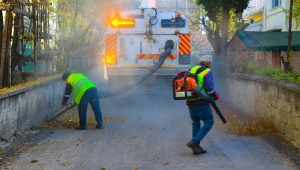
(83, 92)
(199, 107)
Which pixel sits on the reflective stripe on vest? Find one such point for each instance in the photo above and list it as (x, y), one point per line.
(200, 79)
(80, 84)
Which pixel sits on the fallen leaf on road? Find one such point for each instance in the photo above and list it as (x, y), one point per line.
(34, 161)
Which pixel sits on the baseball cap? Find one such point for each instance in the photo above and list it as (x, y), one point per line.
(206, 58)
(65, 75)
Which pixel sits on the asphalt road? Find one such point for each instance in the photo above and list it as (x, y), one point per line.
(151, 136)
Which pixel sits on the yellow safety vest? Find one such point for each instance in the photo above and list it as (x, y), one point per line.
(200, 78)
(80, 84)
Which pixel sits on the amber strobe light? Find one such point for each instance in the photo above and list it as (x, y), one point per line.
(118, 22)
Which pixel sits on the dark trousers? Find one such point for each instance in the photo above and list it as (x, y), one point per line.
(90, 96)
(197, 114)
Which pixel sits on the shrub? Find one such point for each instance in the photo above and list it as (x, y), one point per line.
(272, 72)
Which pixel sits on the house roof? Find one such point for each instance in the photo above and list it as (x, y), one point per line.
(268, 41)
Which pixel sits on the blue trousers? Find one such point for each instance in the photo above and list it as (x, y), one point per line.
(90, 96)
(198, 113)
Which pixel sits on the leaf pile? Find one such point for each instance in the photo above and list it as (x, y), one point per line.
(70, 119)
(243, 125)
(27, 84)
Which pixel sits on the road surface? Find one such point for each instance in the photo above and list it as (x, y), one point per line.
(146, 132)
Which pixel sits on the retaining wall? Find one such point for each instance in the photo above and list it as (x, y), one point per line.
(261, 97)
(24, 108)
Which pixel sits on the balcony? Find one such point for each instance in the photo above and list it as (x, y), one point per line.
(254, 10)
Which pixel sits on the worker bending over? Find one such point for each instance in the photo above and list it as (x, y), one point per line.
(83, 92)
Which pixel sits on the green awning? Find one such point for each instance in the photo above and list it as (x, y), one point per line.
(269, 41)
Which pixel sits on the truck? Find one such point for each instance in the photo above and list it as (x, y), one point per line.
(136, 39)
(144, 49)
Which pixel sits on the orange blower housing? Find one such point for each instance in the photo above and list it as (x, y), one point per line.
(183, 85)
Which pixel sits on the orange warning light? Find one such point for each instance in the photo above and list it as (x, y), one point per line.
(110, 59)
(118, 22)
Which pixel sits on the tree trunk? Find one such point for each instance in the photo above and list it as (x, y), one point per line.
(215, 41)
(6, 48)
(213, 37)
(15, 45)
(1, 30)
(224, 33)
(287, 66)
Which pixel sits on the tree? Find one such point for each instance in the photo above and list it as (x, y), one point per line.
(81, 26)
(293, 13)
(20, 29)
(198, 37)
(296, 12)
(218, 11)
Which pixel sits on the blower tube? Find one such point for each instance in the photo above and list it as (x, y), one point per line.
(211, 100)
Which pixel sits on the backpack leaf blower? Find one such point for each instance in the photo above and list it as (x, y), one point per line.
(183, 90)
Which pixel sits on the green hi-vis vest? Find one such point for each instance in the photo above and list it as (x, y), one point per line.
(80, 84)
(200, 79)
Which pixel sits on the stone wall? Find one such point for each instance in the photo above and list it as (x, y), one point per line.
(261, 97)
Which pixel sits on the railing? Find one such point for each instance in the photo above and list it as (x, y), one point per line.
(253, 7)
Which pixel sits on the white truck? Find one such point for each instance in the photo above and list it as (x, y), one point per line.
(136, 39)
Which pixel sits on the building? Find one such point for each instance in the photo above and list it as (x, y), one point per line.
(264, 48)
(268, 15)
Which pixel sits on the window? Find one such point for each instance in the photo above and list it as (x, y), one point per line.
(276, 3)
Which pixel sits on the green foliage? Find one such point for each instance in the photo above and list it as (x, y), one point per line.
(81, 25)
(214, 7)
(220, 13)
(272, 72)
(296, 12)
(251, 68)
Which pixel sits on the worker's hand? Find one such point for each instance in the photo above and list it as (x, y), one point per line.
(63, 103)
(217, 96)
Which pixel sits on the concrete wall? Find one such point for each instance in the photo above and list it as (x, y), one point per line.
(261, 97)
(24, 108)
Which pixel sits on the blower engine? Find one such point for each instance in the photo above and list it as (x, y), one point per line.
(182, 86)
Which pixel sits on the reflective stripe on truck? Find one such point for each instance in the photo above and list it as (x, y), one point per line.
(155, 56)
(111, 49)
(184, 45)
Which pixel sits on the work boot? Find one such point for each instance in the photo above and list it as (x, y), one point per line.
(200, 149)
(99, 126)
(81, 127)
(194, 147)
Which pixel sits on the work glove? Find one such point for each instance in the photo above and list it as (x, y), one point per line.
(63, 103)
(217, 96)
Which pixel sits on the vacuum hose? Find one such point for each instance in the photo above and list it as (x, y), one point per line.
(151, 71)
(120, 90)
